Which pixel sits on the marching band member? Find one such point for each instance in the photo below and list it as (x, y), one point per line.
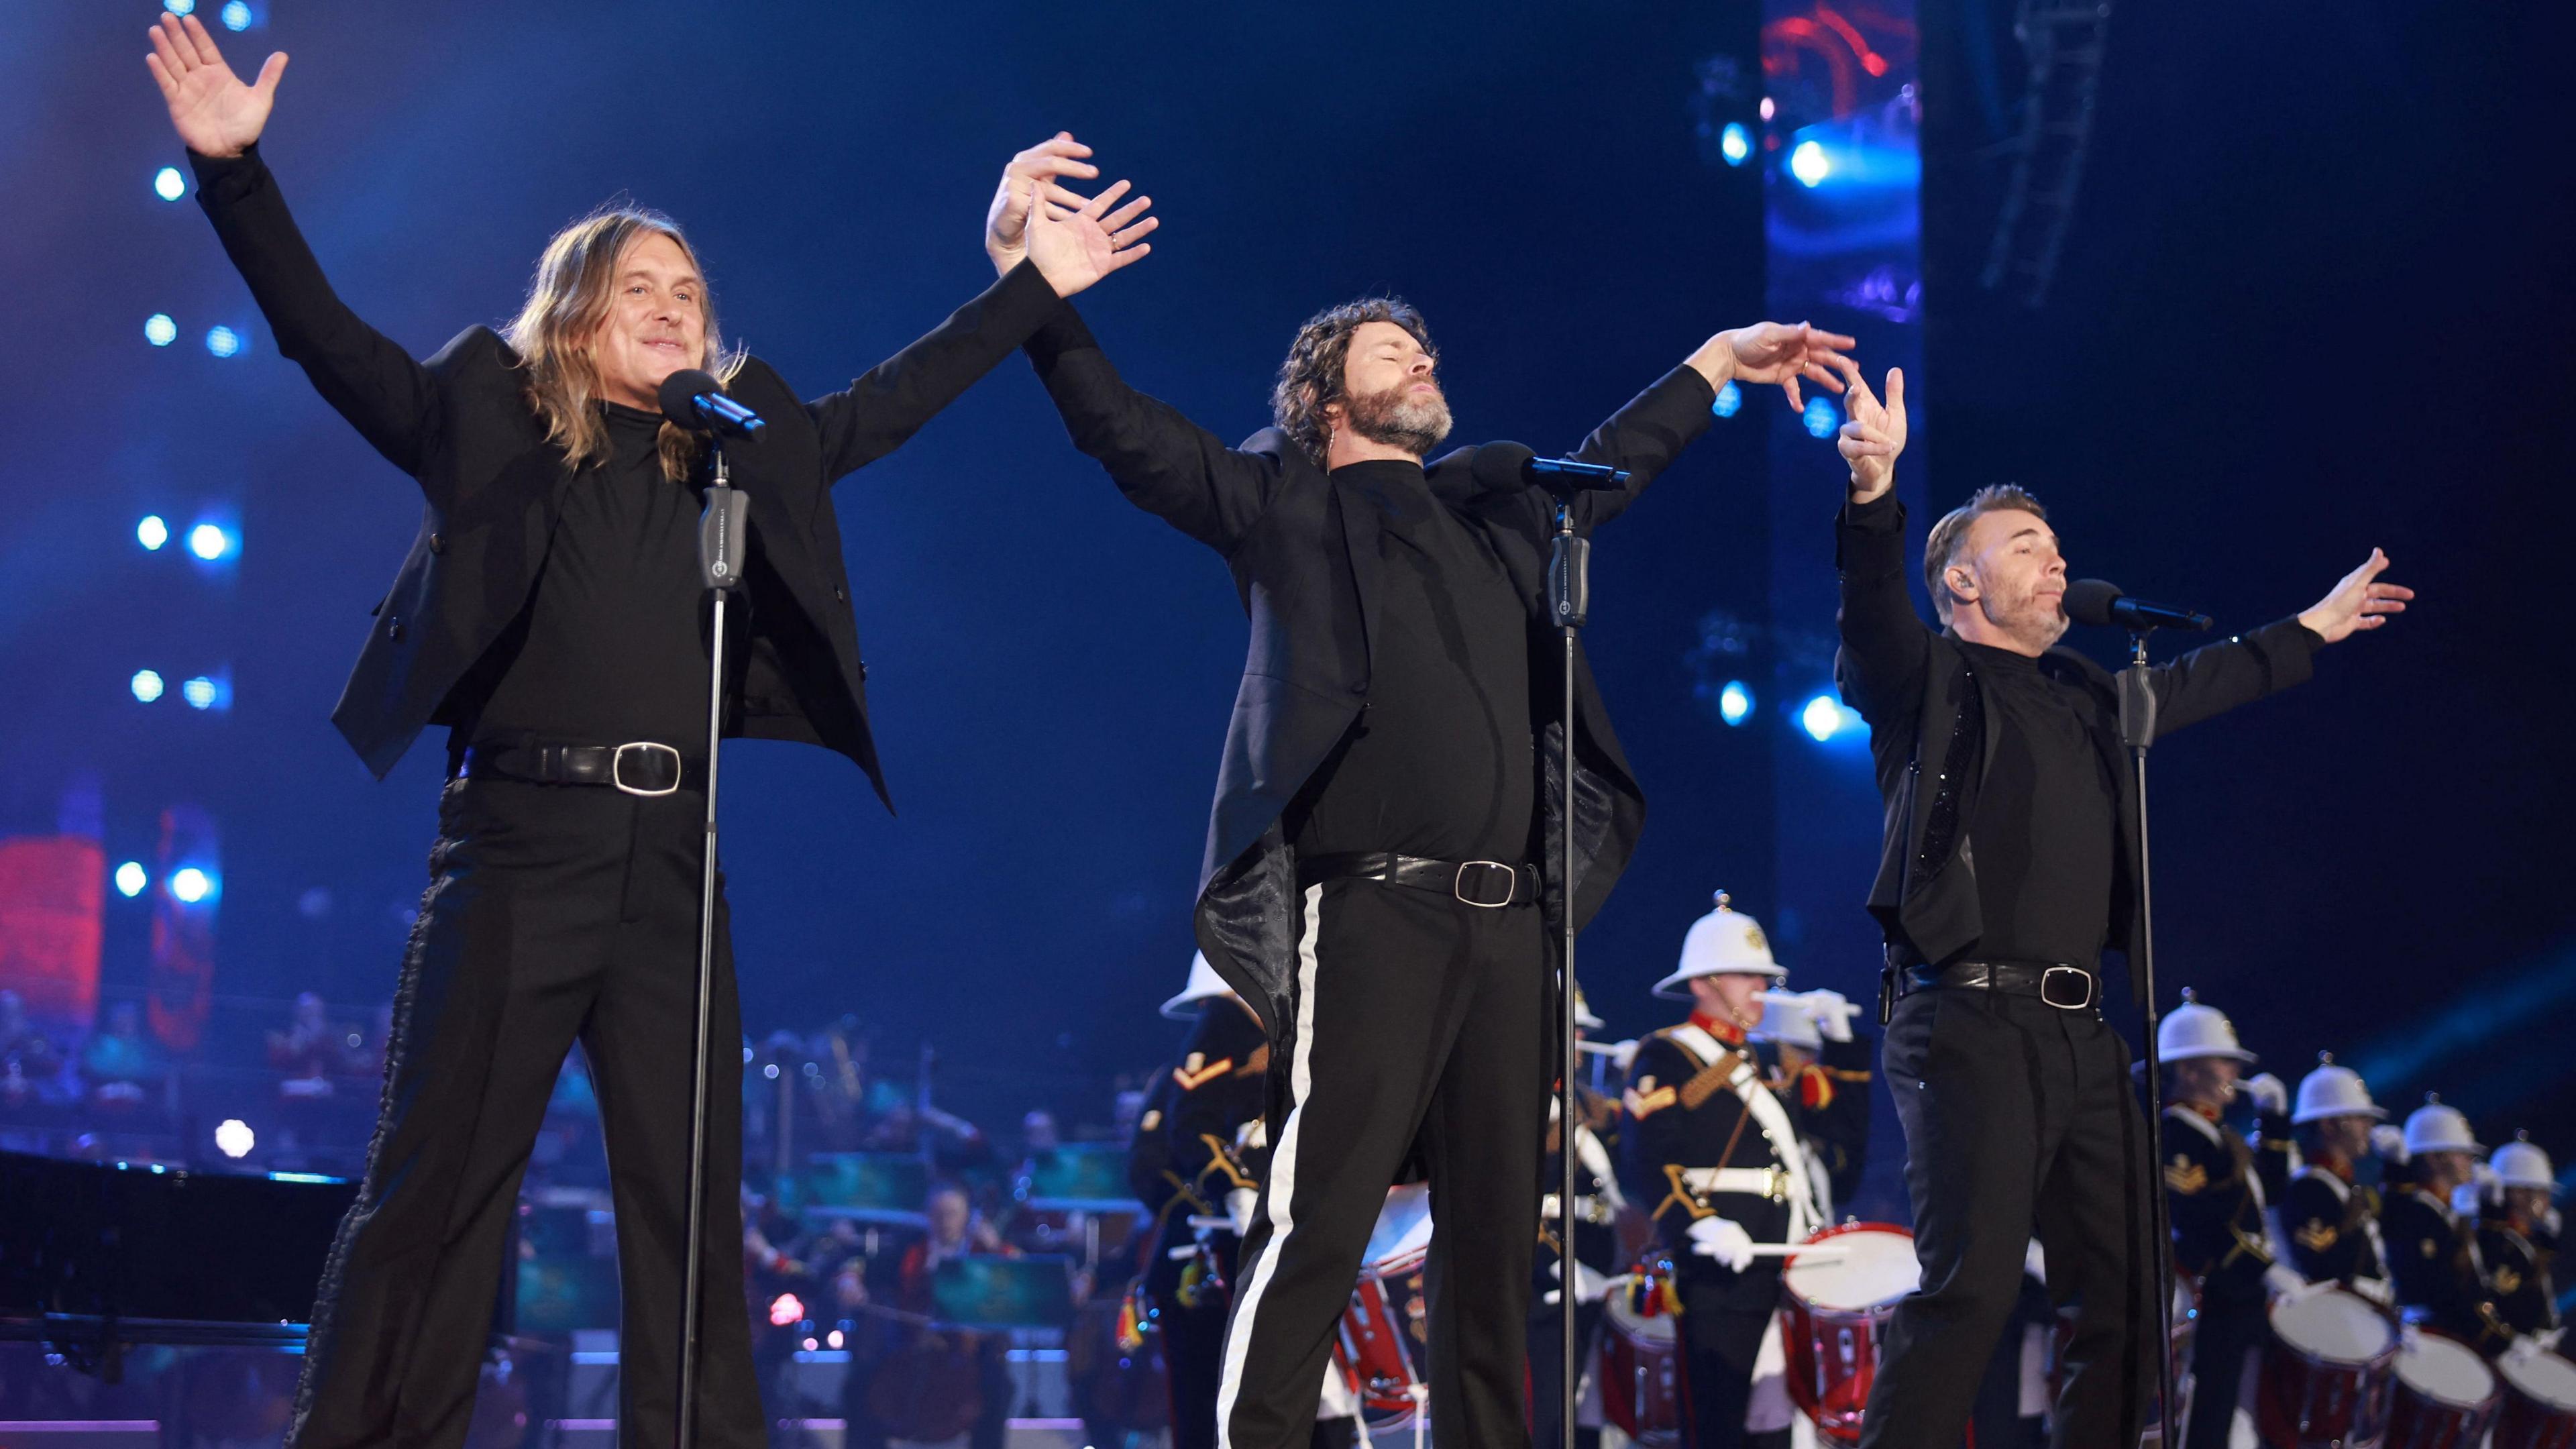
(2431, 1262)
(2217, 1185)
(1824, 1069)
(1598, 1207)
(2330, 1217)
(1718, 1157)
(2518, 1243)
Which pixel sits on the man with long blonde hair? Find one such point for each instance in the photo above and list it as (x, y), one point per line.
(548, 614)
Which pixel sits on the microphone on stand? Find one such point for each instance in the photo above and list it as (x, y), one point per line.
(2095, 601)
(1503, 467)
(696, 401)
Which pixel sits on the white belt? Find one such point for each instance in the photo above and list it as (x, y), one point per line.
(1587, 1209)
(1769, 1182)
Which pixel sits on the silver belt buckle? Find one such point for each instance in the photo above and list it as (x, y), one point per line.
(2052, 974)
(617, 768)
(1458, 886)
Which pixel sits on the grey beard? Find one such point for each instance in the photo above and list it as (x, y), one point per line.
(1400, 420)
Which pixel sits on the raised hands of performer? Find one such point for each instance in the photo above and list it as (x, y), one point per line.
(2358, 603)
(1871, 441)
(213, 112)
(1073, 239)
(1774, 352)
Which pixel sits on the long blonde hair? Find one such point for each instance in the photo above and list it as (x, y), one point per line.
(568, 299)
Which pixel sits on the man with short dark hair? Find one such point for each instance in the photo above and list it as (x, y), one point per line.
(2005, 875)
(1368, 887)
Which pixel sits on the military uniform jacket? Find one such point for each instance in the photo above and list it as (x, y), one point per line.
(1597, 1198)
(1695, 1103)
(2433, 1268)
(2516, 1268)
(1830, 1099)
(1184, 1160)
(2333, 1228)
(2217, 1187)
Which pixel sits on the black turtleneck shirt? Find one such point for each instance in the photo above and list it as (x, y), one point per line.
(1440, 763)
(611, 645)
(2045, 838)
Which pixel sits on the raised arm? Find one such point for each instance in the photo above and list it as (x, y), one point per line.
(1644, 437)
(2218, 677)
(1071, 244)
(1886, 645)
(365, 377)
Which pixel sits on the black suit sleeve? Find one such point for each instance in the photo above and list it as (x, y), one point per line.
(2218, 677)
(1886, 650)
(876, 414)
(364, 375)
(1643, 438)
(1164, 463)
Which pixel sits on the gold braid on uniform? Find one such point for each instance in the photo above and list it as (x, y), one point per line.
(1682, 1194)
(1711, 1080)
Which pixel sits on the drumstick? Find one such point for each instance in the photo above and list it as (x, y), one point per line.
(1799, 1250)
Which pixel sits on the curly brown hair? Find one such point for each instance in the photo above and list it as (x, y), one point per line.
(1311, 379)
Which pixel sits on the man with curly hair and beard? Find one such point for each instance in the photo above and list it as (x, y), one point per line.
(1368, 883)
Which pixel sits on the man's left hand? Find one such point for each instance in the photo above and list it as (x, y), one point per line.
(2359, 602)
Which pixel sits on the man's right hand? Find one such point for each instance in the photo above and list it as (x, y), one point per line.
(213, 112)
(1875, 434)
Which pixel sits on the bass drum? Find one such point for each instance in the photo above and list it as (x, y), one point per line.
(1641, 1369)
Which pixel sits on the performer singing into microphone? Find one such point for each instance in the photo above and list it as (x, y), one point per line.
(2006, 873)
(1368, 881)
(548, 614)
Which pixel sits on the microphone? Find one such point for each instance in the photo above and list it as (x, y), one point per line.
(2094, 601)
(695, 400)
(1502, 467)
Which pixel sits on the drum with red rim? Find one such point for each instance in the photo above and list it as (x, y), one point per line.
(2324, 1383)
(2539, 1406)
(2444, 1398)
(1641, 1369)
(1379, 1350)
(1835, 1305)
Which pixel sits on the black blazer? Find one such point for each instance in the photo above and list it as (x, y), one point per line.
(492, 486)
(1927, 706)
(1305, 561)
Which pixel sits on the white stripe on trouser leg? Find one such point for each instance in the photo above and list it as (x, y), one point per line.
(1283, 1174)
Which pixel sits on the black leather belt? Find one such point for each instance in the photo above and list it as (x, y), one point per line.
(2068, 988)
(1487, 883)
(640, 767)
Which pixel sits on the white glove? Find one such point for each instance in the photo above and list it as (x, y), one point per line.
(2524, 1346)
(2034, 1261)
(1623, 1054)
(2550, 1221)
(2388, 1142)
(1238, 1206)
(1725, 1240)
(1589, 1286)
(2283, 1281)
(2268, 1093)
(1833, 1012)
(2464, 1199)
(2377, 1290)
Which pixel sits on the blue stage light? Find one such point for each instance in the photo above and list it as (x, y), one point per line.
(223, 341)
(1809, 163)
(1821, 418)
(159, 330)
(1734, 143)
(180, 7)
(1734, 702)
(200, 692)
(189, 885)
(131, 879)
(236, 16)
(1730, 400)
(147, 685)
(209, 541)
(152, 533)
(1825, 717)
(168, 184)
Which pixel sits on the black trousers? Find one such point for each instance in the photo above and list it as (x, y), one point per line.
(1724, 1316)
(2228, 1330)
(2016, 1113)
(1420, 1019)
(554, 913)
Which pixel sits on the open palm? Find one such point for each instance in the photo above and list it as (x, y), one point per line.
(213, 112)
(1073, 247)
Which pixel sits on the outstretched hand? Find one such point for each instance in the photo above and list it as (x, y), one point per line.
(1875, 434)
(2359, 602)
(210, 108)
(1778, 352)
(1074, 241)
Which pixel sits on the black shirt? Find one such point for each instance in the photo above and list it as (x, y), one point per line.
(1440, 763)
(611, 645)
(2045, 840)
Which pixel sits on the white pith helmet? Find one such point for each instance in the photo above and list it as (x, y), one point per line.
(2436, 1128)
(2333, 1091)
(2193, 1030)
(2520, 1163)
(1205, 985)
(1725, 942)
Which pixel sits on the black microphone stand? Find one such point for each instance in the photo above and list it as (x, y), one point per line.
(2138, 732)
(721, 545)
(1569, 587)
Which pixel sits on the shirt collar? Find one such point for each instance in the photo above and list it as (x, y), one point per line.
(1725, 1031)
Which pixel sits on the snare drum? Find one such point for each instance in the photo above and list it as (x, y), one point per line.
(2444, 1397)
(2325, 1375)
(1640, 1374)
(1834, 1309)
(2539, 1408)
(1380, 1348)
